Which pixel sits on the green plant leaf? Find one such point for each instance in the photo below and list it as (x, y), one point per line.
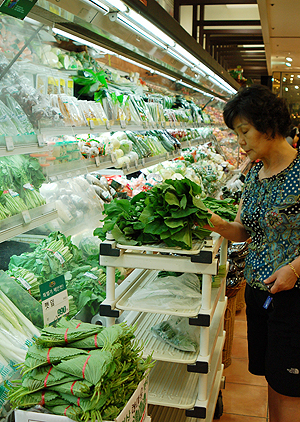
(171, 199)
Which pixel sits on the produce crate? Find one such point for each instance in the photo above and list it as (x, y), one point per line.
(134, 411)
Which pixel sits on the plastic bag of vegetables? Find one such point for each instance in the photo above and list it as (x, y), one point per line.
(177, 332)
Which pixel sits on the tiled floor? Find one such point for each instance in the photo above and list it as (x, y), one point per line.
(245, 395)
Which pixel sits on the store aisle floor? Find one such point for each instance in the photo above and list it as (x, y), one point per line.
(245, 395)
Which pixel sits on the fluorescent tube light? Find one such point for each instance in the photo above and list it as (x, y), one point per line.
(101, 5)
(165, 75)
(178, 57)
(118, 4)
(144, 23)
(135, 63)
(82, 41)
(188, 56)
(140, 31)
(206, 69)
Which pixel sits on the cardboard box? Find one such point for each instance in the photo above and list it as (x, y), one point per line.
(134, 411)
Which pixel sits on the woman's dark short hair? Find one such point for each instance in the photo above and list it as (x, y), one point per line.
(262, 108)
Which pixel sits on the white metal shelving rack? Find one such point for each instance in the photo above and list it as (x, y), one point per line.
(187, 381)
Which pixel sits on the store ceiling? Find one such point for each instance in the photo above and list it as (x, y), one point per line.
(246, 26)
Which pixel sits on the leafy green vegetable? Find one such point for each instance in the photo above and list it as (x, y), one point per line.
(90, 386)
(168, 212)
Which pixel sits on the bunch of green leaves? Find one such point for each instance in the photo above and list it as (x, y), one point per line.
(84, 385)
(171, 212)
(91, 82)
(87, 287)
(224, 208)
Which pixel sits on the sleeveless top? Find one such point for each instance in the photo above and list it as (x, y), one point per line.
(271, 215)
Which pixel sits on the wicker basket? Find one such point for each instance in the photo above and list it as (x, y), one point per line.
(229, 328)
(240, 297)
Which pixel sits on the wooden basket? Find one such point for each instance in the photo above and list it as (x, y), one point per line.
(240, 297)
(229, 328)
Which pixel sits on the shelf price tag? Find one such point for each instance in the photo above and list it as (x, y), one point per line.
(26, 216)
(55, 300)
(41, 140)
(9, 143)
(97, 160)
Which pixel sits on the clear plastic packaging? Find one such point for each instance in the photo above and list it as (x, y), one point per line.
(174, 293)
(178, 333)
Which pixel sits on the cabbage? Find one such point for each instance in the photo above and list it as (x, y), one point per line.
(126, 146)
(122, 161)
(119, 153)
(120, 136)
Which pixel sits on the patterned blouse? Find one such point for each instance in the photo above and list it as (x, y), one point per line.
(271, 215)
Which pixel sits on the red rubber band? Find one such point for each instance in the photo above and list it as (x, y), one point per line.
(48, 355)
(84, 366)
(65, 411)
(42, 402)
(95, 341)
(72, 387)
(46, 379)
(78, 402)
(66, 335)
(77, 326)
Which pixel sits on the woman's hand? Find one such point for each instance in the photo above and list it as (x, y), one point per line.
(283, 279)
(216, 222)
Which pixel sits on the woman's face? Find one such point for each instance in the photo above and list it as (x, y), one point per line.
(253, 142)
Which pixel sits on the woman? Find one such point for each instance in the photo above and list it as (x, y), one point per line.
(269, 214)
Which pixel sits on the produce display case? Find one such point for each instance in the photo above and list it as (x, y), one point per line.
(181, 380)
(37, 74)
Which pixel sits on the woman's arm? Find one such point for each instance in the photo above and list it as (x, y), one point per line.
(234, 231)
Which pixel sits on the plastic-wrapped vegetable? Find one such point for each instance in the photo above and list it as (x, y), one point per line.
(177, 332)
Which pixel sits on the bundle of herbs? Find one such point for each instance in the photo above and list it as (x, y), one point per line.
(173, 212)
(87, 383)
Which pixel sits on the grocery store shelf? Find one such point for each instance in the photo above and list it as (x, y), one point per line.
(76, 168)
(150, 161)
(161, 350)
(33, 145)
(28, 220)
(125, 304)
(194, 142)
(171, 385)
(163, 414)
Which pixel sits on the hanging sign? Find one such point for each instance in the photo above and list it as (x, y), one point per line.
(17, 8)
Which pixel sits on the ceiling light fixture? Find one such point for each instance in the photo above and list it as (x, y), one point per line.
(288, 64)
(82, 41)
(148, 26)
(140, 31)
(165, 75)
(289, 59)
(103, 7)
(117, 4)
(135, 63)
